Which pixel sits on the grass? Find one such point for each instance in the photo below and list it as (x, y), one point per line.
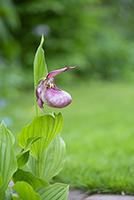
(98, 132)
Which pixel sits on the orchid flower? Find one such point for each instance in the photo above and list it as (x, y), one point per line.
(48, 93)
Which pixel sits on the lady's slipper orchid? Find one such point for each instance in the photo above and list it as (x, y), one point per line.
(48, 93)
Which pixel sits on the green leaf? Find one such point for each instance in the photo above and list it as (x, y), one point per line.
(25, 191)
(52, 160)
(15, 196)
(8, 193)
(21, 175)
(47, 126)
(40, 69)
(56, 191)
(1, 181)
(8, 161)
(22, 158)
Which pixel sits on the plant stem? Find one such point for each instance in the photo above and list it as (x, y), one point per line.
(36, 106)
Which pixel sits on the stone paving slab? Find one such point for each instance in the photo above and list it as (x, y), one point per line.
(77, 194)
(109, 197)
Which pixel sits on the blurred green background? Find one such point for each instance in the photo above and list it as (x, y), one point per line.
(99, 35)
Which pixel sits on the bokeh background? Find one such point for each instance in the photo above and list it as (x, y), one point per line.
(97, 34)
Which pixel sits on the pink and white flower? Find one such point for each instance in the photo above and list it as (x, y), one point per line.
(48, 93)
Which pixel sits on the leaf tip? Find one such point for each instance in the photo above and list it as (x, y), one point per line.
(42, 40)
(3, 123)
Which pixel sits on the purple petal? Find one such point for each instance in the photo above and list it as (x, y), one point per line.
(11, 183)
(56, 98)
(38, 93)
(56, 72)
(39, 102)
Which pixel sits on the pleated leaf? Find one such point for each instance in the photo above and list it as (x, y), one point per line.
(52, 160)
(21, 175)
(22, 158)
(46, 126)
(57, 191)
(25, 191)
(8, 161)
(40, 68)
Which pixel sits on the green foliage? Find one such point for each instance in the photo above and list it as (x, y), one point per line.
(56, 191)
(49, 155)
(22, 158)
(9, 47)
(21, 175)
(44, 143)
(40, 68)
(52, 126)
(9, 22)
(8, 193)
(8, 161)
(1, 181)
(51, 161)
(96, 34)
(25, 191)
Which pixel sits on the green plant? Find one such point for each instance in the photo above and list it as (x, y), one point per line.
(43, 149)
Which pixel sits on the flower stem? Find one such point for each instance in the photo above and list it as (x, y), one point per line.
(36, 109)
(36, 105)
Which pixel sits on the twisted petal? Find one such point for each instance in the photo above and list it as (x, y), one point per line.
(56, 72)
(38, 93)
